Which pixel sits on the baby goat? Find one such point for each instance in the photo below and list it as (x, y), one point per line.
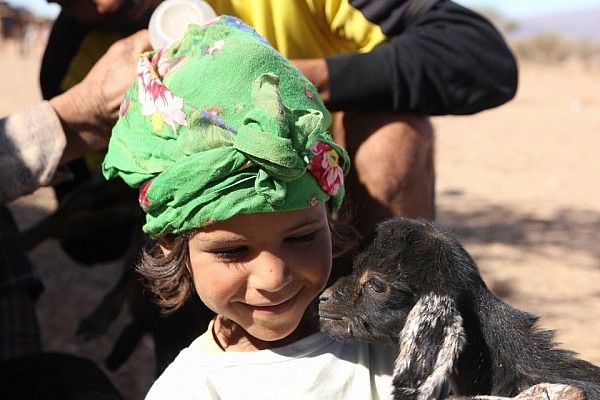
(417, 286)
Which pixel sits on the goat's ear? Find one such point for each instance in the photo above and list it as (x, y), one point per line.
(430, 344)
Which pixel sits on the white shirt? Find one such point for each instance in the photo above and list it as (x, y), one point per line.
(314, 367)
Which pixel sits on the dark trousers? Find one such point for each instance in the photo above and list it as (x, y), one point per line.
(54, 376)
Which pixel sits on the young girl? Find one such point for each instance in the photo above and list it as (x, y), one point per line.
(228, 144)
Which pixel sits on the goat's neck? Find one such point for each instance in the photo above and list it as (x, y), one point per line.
(487, 322)
(505, 353)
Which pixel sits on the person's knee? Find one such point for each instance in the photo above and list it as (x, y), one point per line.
(393, 166)
(396, 159)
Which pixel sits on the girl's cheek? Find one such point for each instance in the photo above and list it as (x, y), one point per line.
(214, 280)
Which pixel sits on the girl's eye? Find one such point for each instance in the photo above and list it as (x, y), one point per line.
(232, 254)
(300, 239)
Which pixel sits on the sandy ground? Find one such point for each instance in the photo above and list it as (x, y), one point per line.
(518, 184)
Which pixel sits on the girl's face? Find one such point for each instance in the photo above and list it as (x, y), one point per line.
(259, 273)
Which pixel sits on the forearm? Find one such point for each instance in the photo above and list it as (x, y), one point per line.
(450, 61)
(35, 141)
(31, 146)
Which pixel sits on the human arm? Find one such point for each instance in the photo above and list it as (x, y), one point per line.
(448, 61)
(34, 141)
(31, 144)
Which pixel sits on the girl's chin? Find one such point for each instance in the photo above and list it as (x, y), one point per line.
(236, 337)
(272, 338)
(273, 335)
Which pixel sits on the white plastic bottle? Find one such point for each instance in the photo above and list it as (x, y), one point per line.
(171, 18)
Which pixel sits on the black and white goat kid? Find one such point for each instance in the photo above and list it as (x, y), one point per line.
(415, 285)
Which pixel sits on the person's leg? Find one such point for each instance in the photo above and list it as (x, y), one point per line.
(392, 166)
(19, 287)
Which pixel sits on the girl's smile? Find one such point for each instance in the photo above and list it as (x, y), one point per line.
(276, 306)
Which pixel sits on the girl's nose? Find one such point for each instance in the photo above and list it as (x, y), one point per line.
(270, 273)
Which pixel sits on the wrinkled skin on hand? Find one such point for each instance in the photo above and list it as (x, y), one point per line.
(89, 109)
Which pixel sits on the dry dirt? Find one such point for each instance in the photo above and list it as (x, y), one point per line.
(518, 184)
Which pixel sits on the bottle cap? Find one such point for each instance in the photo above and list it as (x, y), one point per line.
(170, 19)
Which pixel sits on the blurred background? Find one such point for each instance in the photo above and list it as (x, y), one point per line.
(519, 184)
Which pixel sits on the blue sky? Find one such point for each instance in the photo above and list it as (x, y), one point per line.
(509, 8)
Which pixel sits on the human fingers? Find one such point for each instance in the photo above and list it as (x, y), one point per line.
(133, 45)
(104, 86)
(121, 61)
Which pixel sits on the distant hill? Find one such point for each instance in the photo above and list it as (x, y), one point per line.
(575, 25)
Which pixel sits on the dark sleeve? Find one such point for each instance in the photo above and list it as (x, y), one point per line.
(448, 61)
(62, 45)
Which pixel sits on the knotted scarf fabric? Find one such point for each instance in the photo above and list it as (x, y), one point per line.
(221, 124)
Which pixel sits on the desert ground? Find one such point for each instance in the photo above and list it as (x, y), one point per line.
(518, 184)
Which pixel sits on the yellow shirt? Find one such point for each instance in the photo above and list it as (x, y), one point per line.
(306, 28)
(296, 28)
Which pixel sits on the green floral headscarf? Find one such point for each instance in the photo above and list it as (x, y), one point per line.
(221, 124)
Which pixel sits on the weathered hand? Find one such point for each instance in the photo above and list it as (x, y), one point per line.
(541, 391)
(89, 109)
(110, 77)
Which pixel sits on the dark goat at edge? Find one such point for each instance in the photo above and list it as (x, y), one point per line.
(415, 285)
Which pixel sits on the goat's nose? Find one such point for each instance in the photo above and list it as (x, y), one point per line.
(325, 295)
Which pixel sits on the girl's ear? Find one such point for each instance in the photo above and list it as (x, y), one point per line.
(166, 245)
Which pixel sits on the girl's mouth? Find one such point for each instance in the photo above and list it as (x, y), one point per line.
(276, 307)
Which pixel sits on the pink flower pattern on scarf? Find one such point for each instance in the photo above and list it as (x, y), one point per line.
(142, 197)
(158, 102)
(325, 167)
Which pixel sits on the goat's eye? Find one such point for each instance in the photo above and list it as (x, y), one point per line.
(376, 285)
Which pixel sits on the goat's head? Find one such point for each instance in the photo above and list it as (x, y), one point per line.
(403, 289)
(406, 261)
